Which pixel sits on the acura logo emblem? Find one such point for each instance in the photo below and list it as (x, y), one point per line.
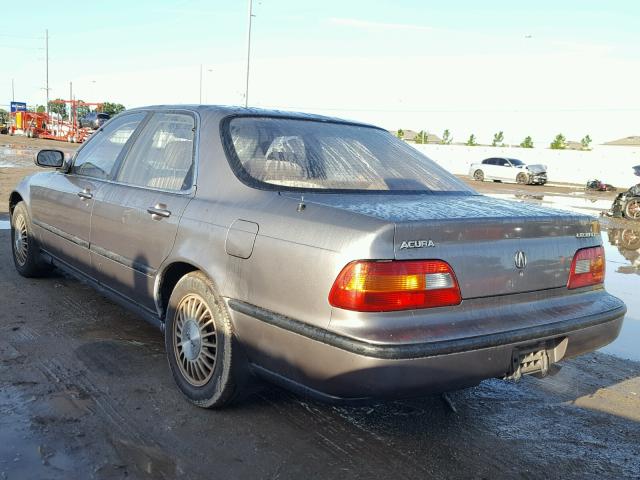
(520, 260)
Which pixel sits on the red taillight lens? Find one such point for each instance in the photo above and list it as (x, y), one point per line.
(587, 268)
(384, 286)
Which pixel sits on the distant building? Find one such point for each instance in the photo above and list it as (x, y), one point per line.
(571, 145)
(410, 136)
(633, 141)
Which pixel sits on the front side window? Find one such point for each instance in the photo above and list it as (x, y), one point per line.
(98, 157)
(292, 154)
(162, 156)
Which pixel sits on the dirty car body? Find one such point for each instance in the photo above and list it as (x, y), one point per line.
(338, 260)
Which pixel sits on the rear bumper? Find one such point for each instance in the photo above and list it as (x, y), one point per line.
(335, 367)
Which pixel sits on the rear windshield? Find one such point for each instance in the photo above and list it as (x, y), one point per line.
(304, 155)
(104, 115)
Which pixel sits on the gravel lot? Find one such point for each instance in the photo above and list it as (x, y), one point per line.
(86, 392)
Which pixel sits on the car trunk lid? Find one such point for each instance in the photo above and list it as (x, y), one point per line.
(495, 247)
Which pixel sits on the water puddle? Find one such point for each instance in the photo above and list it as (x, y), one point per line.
(623, 280)
(572, 203)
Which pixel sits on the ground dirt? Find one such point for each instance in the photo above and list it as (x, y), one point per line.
(86, 392)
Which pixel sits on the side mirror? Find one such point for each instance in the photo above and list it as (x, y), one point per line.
(50, 158)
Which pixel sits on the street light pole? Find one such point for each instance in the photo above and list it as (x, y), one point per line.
(13, 92)
(46, 47)
(246, 91)
(200, 84)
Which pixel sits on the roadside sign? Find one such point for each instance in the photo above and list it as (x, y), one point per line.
(18, 107)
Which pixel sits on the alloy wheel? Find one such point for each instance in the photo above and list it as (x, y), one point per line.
(195, 340)
(21, 239)
(632, 209)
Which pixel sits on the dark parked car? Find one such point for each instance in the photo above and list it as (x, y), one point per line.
(93, 120)
(327, 256)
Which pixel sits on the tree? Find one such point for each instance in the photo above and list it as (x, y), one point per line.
(559, 143)
(586, 142)
(527, 142)
(82, 110)
(112, 108)
(400, 134)
(498, 138)
(40, 109)
(58, 108)
(422, 137)
(446, 137)
(472, 141)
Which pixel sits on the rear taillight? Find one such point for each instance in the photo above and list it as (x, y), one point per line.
(587, 268)
(384, 286)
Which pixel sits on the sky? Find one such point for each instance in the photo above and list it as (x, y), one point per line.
(535, 67)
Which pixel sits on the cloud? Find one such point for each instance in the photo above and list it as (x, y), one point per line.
(370, 25)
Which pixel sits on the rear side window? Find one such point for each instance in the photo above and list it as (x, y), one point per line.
(294, 154)
(162, 156)
(98, 157)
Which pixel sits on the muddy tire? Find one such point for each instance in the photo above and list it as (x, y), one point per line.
(522, 179)
(478, 175)
(206, 360)
(632, 209)
(24, 246)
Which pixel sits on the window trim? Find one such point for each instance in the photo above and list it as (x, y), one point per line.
(241, 174)
(149, 112)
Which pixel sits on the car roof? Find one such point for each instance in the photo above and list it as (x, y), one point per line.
(222, 111)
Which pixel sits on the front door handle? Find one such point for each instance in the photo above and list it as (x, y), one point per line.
(85, 194)
(159, 211)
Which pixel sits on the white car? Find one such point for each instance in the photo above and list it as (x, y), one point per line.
(508, 170)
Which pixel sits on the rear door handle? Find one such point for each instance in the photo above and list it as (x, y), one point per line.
(159, 211)
(85, 194)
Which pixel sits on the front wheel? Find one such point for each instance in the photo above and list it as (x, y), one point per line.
(478, 176)
(25, 248)
(522, 179)
(632, 209)
(205, 358)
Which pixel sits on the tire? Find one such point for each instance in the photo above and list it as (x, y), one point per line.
(478, 175)
(211, 374)
(24, 246)
(522, 178)
(632, 209)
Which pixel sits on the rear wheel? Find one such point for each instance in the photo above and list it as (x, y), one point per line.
(205, 358)
(25, 248)
(478, 175)
(632, 209)
(522, 178)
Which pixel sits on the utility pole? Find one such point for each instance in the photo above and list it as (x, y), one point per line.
(246, 91)
(46, 47)
(200, 84)
(13, 92)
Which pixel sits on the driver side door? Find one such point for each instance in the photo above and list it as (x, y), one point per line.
(61, 206)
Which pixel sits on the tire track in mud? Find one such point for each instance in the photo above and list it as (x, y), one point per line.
(366, 454)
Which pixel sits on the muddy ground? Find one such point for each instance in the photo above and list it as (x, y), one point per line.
(86, 392)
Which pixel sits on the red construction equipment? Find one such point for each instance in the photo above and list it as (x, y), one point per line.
(52, 126)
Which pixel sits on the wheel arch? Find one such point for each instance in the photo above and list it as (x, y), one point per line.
(166, 281)
(14, 199)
